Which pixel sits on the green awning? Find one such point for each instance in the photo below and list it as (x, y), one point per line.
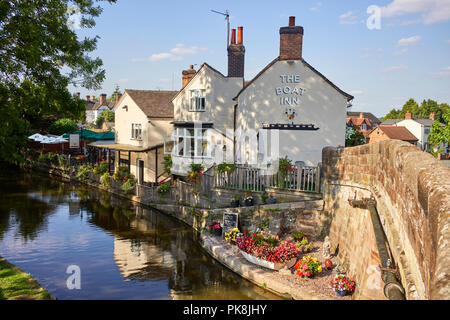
(92, 136)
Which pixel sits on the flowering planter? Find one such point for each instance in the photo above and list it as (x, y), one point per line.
(248, 203)
(341, 293)
(267, 264)
(235, 204)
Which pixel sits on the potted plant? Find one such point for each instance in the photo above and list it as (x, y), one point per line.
(216, 229)
(231, 236)
(304, 246)
(272, 200)
(308, 267)
(163, 189)
(342, 285)
(235, 201)
(248, 199)
(267, 251)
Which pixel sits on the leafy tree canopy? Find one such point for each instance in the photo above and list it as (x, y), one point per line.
(40, 55)
(62, 126)
(440, 134)
(420, 112)
(105, 116)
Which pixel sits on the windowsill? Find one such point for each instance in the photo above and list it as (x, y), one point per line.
(197, 110)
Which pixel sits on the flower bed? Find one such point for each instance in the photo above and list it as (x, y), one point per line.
(267, 251)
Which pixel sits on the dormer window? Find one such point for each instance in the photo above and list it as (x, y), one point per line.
(197, 101)
(364, 127)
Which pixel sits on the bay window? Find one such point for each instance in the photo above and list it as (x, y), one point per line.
(190, 143)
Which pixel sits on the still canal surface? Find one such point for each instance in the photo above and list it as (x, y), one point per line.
(123, 251)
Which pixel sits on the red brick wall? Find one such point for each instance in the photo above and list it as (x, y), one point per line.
(412, 190)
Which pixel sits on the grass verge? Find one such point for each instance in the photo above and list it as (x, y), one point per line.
(18, 285)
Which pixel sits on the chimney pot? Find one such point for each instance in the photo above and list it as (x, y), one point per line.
(88, 98)
(433, 116)
(291, 21)
(118, 96)
(233, 36)
(240, 35)
(408, 116)
(236, 55)
(361, 115)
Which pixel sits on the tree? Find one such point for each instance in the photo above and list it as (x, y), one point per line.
(114, 94)
(420, 112)
(40, 55)
(62, 126)
(105, 116)
(440, 134)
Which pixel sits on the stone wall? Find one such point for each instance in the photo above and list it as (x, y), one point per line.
(412, 191)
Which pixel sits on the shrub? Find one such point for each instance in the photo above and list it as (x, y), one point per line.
(297, 235)
(84, 172)
(195, 173)
(128, 186)
(167, 164)
(122, 174)
(163, 189)
(226, 167)
(101, 168)
(105, 179)
(62, 126)
(308, 266)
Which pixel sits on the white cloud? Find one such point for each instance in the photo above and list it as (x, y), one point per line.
(448, 41)
(318, 5)
(180, 49)
(392, 69)
(408, 41)
(401, 52)
(348, 18)
(431, 11)
(356, 92)
(123, 80)
(164, 56)
(174, 54)
(444, 73)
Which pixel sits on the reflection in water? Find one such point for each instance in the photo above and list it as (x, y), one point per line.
(124, 251)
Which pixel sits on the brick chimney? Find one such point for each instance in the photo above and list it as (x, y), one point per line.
(103, 101)
(433, 116)
(118, 96)
(361, 115)
(408, 116)
(291, 41)
(88, 98)
(187, 75)
(236, 54)
(93, 98)
(78, 95)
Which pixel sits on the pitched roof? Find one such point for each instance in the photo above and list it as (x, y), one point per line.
(358, 121)
(368, 115)
(110, 105)
(90, 105)
(198, 71)
(154, 103)
(398, 133)
(389, 122)
(349, 97)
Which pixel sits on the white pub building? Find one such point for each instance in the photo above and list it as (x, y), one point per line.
(289, 109)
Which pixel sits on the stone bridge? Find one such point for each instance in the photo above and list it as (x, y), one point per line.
(412, 194)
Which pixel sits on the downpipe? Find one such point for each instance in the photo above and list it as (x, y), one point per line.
(393, 289)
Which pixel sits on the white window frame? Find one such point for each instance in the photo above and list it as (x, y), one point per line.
(135, 134)
(197, 100)
(183, 136)
(364, 127)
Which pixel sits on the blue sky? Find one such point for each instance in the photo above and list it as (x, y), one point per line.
(146, 44)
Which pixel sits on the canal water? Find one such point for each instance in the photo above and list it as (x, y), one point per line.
(123, 251)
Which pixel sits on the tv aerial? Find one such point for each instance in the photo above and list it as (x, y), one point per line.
(227, 17)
